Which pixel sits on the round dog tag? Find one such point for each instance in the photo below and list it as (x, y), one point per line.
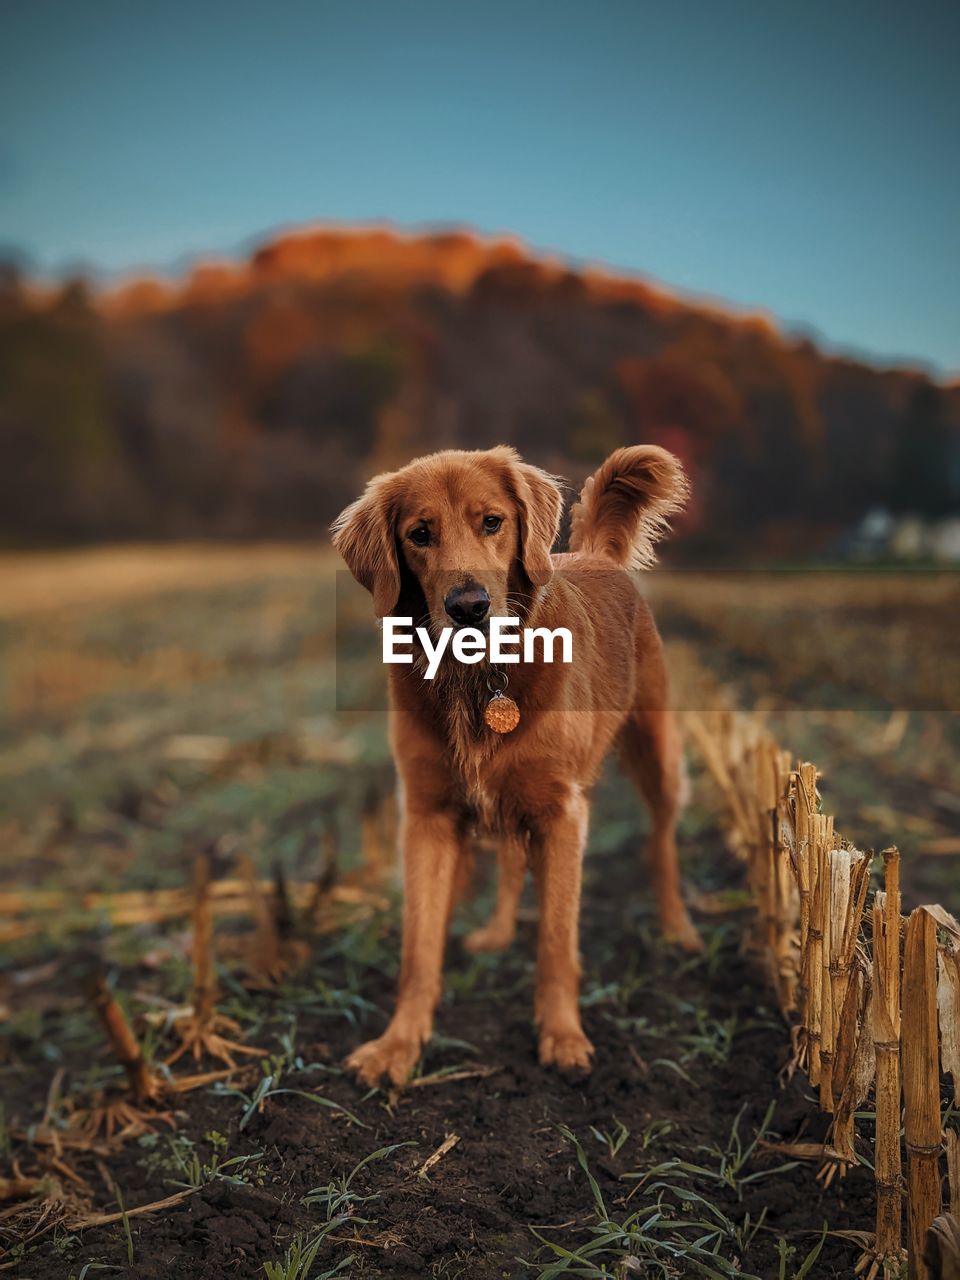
(501, 714)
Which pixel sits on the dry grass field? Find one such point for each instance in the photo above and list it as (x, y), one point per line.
(160, 703)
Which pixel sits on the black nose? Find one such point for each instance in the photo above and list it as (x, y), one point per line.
(467, 605)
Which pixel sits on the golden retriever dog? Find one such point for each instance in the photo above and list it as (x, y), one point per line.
(453, 539)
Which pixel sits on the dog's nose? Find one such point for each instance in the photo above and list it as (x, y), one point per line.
(467, 605)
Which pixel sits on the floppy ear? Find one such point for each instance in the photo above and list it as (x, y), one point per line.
(363, 534)
(539, 502)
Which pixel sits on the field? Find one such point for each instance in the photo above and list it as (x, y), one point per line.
(159, 704)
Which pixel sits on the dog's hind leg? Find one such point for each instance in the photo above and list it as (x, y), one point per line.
(501, 928)
(463, 876)
(651, 753)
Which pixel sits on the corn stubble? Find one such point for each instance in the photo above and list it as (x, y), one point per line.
(866, 1011)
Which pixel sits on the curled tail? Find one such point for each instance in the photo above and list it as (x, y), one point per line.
(625, 505)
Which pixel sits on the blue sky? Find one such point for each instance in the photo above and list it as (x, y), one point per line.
(798, 158)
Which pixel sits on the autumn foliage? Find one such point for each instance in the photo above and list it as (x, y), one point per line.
(251, 399)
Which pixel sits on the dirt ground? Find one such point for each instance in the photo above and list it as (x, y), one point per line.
(688, 1059)
(142, 729)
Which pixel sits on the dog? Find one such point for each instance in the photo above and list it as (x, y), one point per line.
(461, 536)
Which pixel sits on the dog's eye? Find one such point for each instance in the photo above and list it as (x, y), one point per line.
(492, 523)
(420, 537)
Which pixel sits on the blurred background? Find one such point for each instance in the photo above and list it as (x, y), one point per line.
(250, 256)
(250, 259)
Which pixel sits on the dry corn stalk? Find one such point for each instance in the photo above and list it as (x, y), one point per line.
(804, 807)
(835, 895)
(716, 749)
(326, 878)
(82, 1222)
(204, 981)
(766, 769)
(886, 1042)
(144, 1085)
(228, 897)
(265, 963)
(948, 1009)
(820, 833)
(943, 1241)
(756, 841)
(764, 803)
(941, 1249)
(855, 1062)
(20, 1188)
(200, 1031)
(850, 1008)
(849, 876)
(788, 899)
(826, 986)
(276, 950)
(952, 1139)
(921, 1083)
(145, 905)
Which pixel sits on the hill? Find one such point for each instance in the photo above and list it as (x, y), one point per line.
(251, 399)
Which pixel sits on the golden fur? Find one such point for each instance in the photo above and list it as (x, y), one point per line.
(529, 788)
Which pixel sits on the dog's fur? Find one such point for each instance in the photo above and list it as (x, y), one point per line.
(528, 788)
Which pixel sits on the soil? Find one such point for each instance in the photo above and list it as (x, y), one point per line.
(512, 1168)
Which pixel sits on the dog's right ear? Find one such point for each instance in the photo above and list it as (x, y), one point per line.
(363, 534)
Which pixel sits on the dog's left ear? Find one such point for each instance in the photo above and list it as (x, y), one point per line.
(539, 502)
(363, 534)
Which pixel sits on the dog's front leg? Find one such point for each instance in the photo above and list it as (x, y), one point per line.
(431, 847)
(557, 860)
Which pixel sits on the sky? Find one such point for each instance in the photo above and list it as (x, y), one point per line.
(797, 158)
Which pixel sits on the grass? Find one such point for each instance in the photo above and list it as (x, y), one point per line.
(297, 1262)
(338, 1194)
(732, 1161)
(182, 1158)
(670, 1228)
(677, 1230)
(337, 1200)
(613, 1140)
(788, 1252)
(125, 1224)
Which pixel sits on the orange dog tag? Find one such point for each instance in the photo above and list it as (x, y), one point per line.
(501, 714)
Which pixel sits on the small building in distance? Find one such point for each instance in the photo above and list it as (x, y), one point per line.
(883, 536)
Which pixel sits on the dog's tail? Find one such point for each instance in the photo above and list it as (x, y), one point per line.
(625, 505)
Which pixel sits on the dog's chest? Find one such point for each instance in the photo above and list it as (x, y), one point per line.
(487, 810)
(479, 760)
(493, 792)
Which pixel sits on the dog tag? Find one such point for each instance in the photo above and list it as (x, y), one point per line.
(501, 714)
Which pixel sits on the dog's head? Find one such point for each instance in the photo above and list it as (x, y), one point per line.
(457, 536)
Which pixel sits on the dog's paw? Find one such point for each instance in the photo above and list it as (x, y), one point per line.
(490, 937)
(566, 1050)
(682, 932)
(686, 937)
(391, 1055)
